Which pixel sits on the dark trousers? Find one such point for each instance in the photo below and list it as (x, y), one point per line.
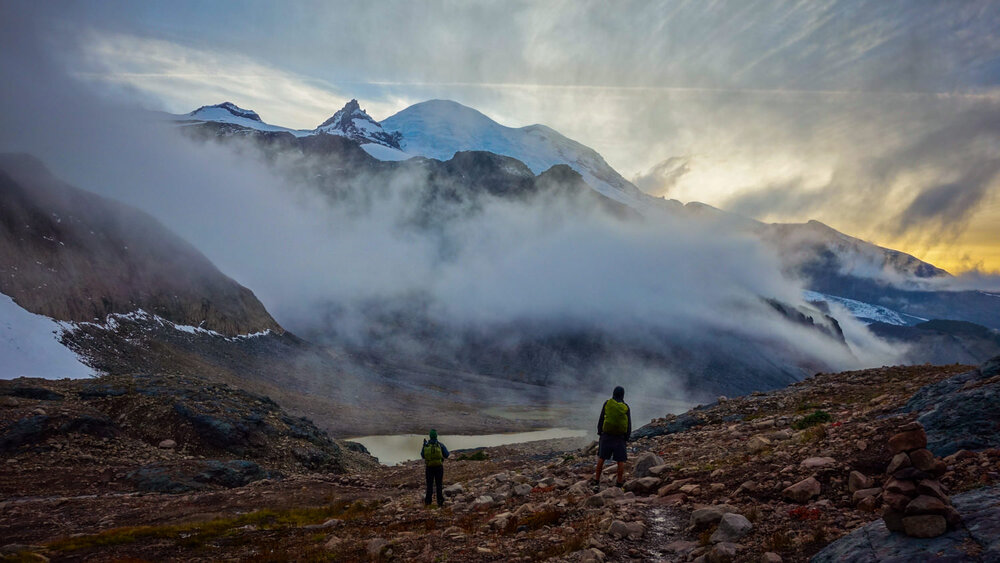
(435, 475)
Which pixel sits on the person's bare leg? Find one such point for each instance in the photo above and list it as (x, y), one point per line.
(600, 467)
(621, 471)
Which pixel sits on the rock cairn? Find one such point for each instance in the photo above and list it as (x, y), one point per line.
(914, 500)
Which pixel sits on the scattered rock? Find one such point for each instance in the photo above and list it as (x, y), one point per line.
(758, 444)
(167, 444)
(907, 440)
(482, 502)
(521, 490)
(722, 552)
(899, 461)
(857, 481)
(643, 485)
(644, 462)
(802, 491)
(817, 462)
(704, 517)
(731, 528)
(630, 530)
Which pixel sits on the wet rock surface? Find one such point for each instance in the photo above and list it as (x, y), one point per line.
(961, 412)
(977, 540)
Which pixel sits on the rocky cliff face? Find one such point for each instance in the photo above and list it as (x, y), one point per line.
(75, 256)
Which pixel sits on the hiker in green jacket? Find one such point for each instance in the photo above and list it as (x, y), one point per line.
(613, 428)
(433, 454)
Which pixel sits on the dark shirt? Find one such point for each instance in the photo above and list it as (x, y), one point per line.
(444, 450)
(628, 413)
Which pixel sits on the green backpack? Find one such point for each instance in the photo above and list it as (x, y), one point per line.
(433, 456)
(615, 417)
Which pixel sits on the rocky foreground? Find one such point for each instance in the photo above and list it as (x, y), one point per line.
(767, 477)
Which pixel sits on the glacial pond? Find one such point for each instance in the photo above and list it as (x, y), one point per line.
(393, 449)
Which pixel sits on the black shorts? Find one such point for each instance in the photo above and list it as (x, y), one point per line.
(612, 446)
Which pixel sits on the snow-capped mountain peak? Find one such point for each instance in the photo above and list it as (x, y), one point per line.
(440, 128)
(354, 123)
(209, 112)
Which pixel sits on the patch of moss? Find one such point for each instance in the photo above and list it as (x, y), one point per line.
(476, 456)
(199, 533)
(812, 419)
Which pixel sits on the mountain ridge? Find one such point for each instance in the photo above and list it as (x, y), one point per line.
(97, 257)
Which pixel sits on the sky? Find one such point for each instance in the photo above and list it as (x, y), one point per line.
(881, 119)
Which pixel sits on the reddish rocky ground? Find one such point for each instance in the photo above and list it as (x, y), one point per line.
(528, 502)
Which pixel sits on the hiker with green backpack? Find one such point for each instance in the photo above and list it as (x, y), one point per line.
(433, 454)
(613, 428)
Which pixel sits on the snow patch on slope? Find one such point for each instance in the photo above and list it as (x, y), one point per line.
(113, 322)
(30, 347)
(383, 152)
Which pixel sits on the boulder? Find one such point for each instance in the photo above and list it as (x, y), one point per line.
(922, 459)
(722, 552)
(594, 501)
(659, 470)
(867, 504)
(482, 502)
(618, 528)
(691, 489)
(925, 504)
(758, 444)
(908, 440)
(643, 485)
(705, 517)
(901, 487)
(932, 488)
(672, 487)
(520, 490)
(612, 492)
(862, 494)
(857, 481)
(770, 557)
(817, 462)
(167, 444)
(644, 462)
(899, 461)
(895, 501)
(802, 491)
(635, 530)
(731, 528)
(454, 490)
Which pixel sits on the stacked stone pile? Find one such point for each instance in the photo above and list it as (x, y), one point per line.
(914, 500)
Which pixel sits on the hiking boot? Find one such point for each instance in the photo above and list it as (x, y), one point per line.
(620, 485)
(596, 485)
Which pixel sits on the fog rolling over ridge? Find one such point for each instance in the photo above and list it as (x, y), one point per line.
(498, 285)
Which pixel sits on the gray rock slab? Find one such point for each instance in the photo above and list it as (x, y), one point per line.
(873, 543)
